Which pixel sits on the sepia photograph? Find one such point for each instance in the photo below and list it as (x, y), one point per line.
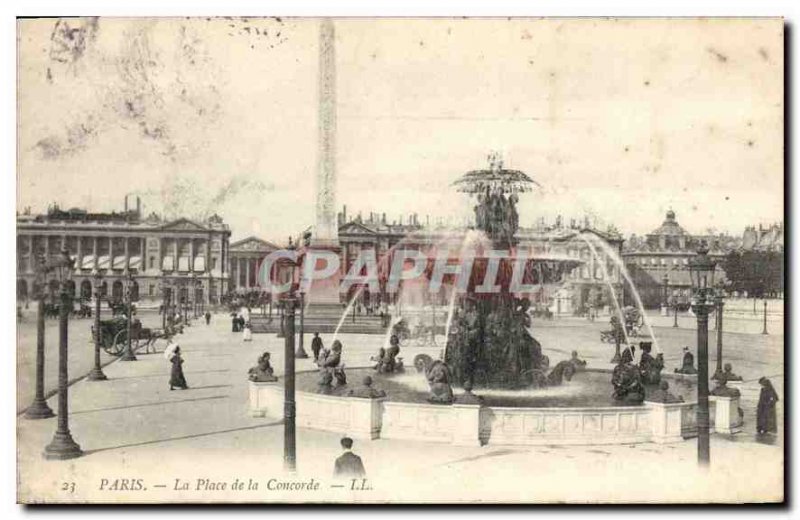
(400, 260)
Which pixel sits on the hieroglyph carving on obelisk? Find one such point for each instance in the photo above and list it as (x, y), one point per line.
(325, 231)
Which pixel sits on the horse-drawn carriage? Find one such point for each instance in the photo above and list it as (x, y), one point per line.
(114, 335)
(634, 321)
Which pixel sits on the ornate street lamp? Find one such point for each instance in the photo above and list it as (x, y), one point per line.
(301, 353)
(289, 407)
(718, 305)
(62, 446)
(128, 355)
(39, 408)
(701, 269)
(675, 308)
(97, 372)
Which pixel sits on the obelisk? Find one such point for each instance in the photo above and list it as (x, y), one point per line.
(326, 233)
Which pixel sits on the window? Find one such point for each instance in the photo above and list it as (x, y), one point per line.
(151, 288)
(214, 264)
(152, 262)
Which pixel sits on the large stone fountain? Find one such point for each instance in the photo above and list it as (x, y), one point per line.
(489, 344)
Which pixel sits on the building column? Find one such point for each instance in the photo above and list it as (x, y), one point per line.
(175, 252)
(143, 254)
(208, 256)
(247, 273)
(47, 247)
(110, 254)
(31, 261)
(191, 255)
(94, 252)
(159, 254)
(127, 254)
(79, 253)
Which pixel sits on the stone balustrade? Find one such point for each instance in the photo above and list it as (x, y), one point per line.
(475, 425)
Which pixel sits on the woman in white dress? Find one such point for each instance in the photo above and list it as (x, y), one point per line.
(247, 335)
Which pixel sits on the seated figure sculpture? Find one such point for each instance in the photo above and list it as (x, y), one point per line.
(649, 366)
(330, 362)
(325, 383)
(577, 363)
(562, 370)
(627, 381)
(378, 358)
(728, 374)
(438, 376)
(723, 390)
(387, 358)
(687, 366)
(663, 395)
(366, 391)
(262, 372)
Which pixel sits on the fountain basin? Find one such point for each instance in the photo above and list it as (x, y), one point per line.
(407, 417)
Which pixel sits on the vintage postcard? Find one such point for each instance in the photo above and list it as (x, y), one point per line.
(400, 260)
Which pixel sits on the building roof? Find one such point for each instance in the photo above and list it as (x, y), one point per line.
(669, 227)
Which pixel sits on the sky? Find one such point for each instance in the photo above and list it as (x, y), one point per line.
(617, 119)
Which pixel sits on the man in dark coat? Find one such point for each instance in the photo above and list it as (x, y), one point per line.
(316, 345)
(766, 418)
(348, 464)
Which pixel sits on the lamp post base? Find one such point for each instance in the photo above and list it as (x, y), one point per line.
(301, 353)
(96, 375)
(617, 358)
(62, 447)
(39, 410)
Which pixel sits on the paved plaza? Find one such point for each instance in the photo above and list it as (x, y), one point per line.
(195, 442)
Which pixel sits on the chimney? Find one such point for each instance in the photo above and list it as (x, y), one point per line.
(126, 203)
(344, 213)
(138, 207)
(383, 218)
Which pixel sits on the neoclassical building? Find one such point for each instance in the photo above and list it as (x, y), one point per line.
(182, 255)
(596, 275)
(245, 259)
(663, 255)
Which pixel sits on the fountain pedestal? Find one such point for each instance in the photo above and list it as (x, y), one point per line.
(726, 418)
(666, 419)
(467, 423)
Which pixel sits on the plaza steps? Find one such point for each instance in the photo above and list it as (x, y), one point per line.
(322, 318)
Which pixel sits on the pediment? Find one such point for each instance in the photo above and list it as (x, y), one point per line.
(354, 228)
(253, 244)
(183, 224)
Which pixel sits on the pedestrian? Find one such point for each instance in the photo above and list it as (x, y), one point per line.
(208, 317)
(766, 418)
(316, 345)
(348, 464)
(176, 378)
(247, 335)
